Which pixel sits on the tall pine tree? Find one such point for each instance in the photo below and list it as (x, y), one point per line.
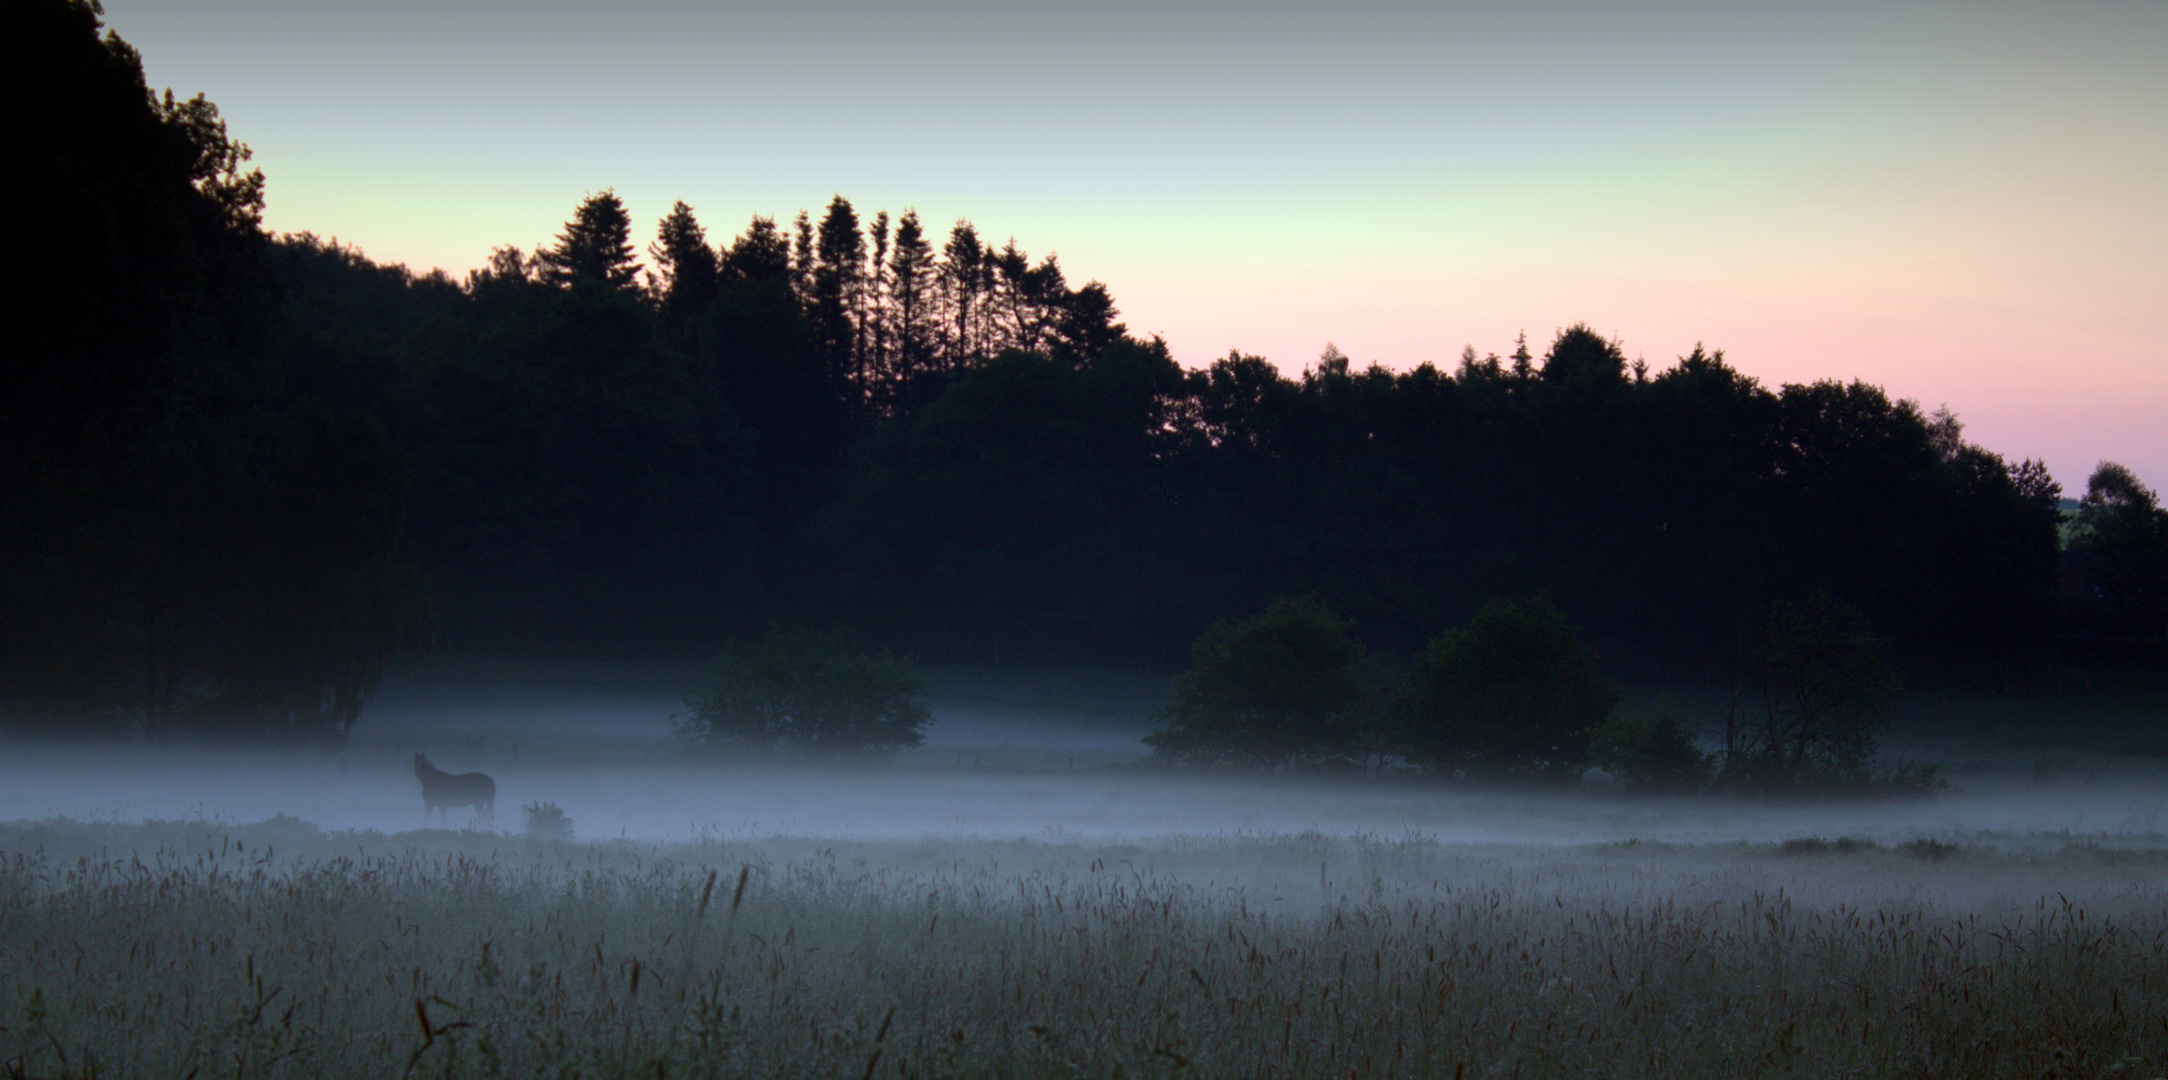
(964, 287)
(596, 246)
(839, 270)
(684, 280)
(912, 282)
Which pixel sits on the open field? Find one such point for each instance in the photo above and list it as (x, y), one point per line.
(1053, 755)
(1022, 898)
(175, 949)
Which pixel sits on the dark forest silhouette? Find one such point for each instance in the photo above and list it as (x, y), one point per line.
(191, 537)
(231, 460)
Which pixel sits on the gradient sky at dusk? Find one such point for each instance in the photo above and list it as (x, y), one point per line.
(1965, 203)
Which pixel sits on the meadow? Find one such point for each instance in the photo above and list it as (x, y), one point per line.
(1022, 897)
(204, 949)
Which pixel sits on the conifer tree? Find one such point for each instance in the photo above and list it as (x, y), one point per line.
(760, 255)
(1045, 294)
(1011, 290)
(1523, 360)
(683, 282)
(596, 246)
(838, 273)
(911, 276)
(874, 314)
(801, 259)
(963, 285)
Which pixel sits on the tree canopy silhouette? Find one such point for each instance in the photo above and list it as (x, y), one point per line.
(1815, 691)
(596, 247)
(194, 542)
(2119, 545)
(1272, 690)
(1513, 693)
(858, 419)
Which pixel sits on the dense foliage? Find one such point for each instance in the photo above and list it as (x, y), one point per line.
(811, 692)
(191, 540)
(2119, 555)
(222, 448)
(1513, 693)
(984, 472)
(1273, 690)
(1653, 749)
(1814, 689)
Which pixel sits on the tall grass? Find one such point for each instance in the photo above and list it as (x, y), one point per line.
(198, 950)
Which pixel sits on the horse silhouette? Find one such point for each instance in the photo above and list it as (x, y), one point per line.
(441, 791)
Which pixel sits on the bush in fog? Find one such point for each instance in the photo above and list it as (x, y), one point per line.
(547, 821)
(1513, 693)
(1652, 749)
(1812, 689)
(808, 691)
(1272, 690)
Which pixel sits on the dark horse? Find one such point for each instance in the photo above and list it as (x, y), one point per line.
(441, 791)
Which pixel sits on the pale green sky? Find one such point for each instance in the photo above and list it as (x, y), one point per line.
(1967, 203)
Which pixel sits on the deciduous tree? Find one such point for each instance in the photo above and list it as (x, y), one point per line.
(2120, 543)
(1513, 693)
(1813, 690)
(1272, 690)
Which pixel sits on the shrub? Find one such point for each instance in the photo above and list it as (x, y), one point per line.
(1654, 750)
(810, 692)
(1930, 849)
(1906, 779)
(547, 821)
(1512, 693)
(1270, 691)
(1815, 845)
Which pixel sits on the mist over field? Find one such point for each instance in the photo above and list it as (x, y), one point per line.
(1558, 702)
(1046, 755)
(1022, 896)
(1027, 895)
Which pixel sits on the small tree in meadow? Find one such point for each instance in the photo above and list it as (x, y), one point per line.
(1812, 691)
(1513, 693)
(1273, 690)
(809, 692)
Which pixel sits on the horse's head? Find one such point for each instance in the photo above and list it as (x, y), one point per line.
(421, 765)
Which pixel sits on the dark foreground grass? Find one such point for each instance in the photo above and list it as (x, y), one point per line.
(200, 950)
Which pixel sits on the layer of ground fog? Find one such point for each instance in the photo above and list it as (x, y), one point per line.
(1055, 755)
(283, 950)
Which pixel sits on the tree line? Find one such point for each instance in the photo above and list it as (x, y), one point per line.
(244, 470)
(789, 427)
